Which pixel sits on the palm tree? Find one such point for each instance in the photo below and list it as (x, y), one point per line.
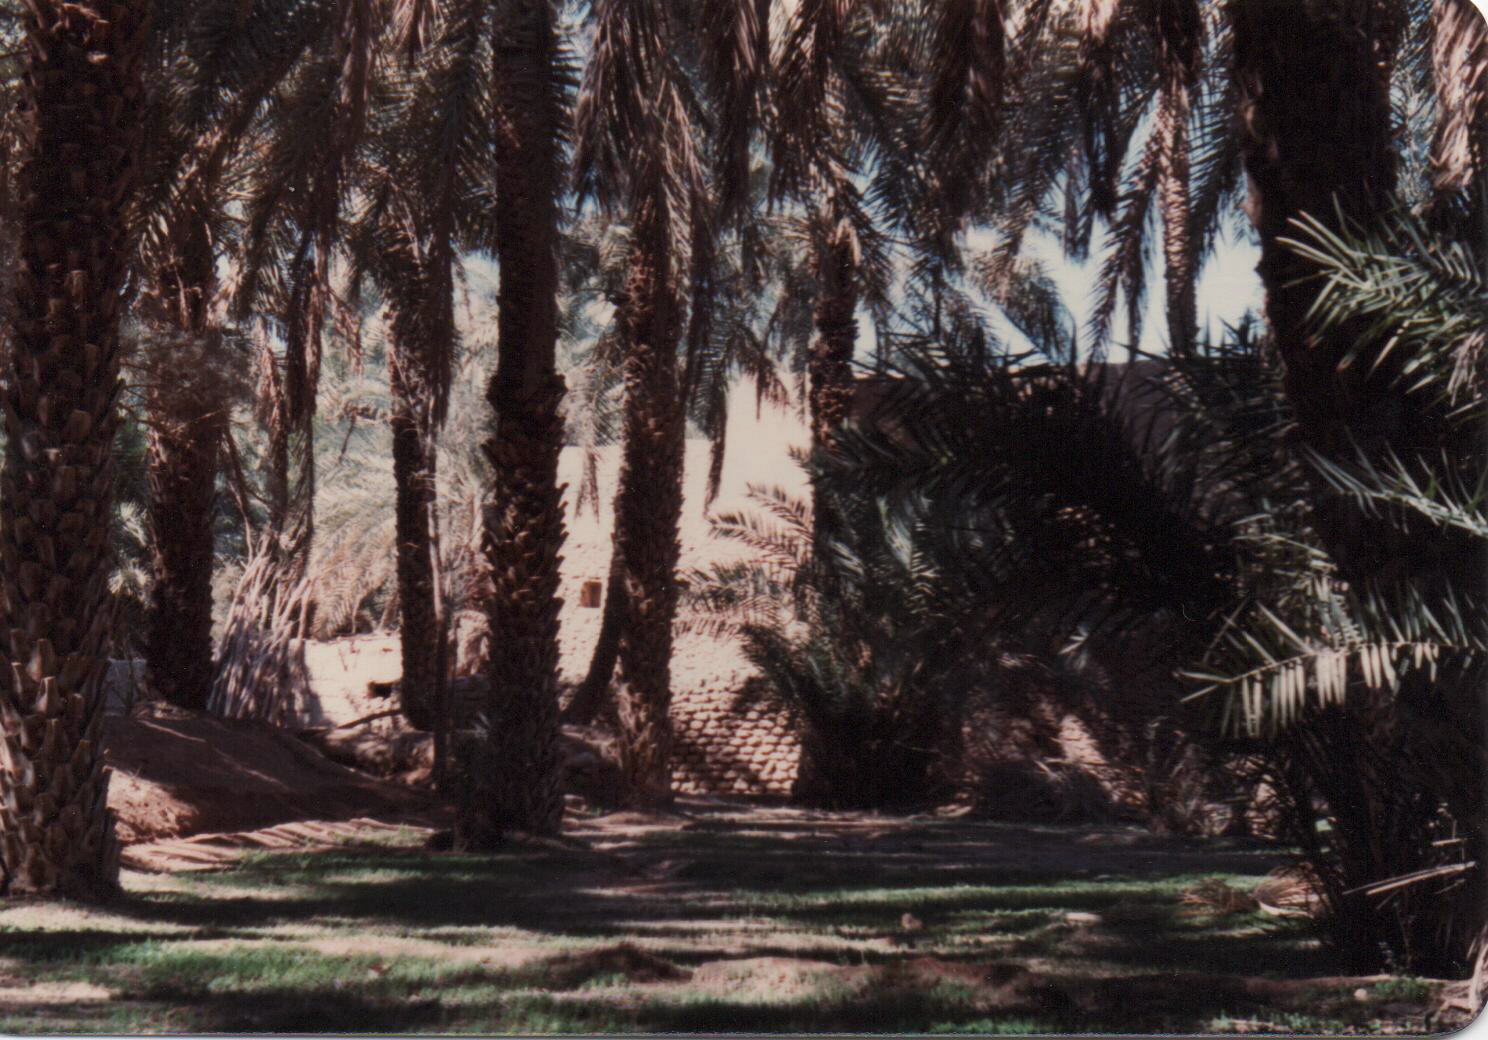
(1322, 146)
(312, 87)
(426, 177)
(642, 99)
(594, 255)
(1459, 60)
(525, 529)
(488, 107)
(1387, 720)
(189, 389)
(823, 102)
(1326, 152)
(1323, 159)
(637, 148)
(321, 75)
(62, 383)
(191, 371)
(1109, 112)
(752, 311)
(414, 266)
(1218, 94)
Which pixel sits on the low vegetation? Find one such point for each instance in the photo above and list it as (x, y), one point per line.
(718, 920)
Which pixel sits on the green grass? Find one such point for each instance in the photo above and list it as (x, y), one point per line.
(995, 1027)
(696, 931)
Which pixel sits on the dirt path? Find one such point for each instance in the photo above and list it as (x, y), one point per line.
(220, 851)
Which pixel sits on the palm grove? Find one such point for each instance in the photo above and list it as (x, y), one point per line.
(207, 205)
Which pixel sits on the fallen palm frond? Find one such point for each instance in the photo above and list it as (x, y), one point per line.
(1216, 898)
(1289, 892)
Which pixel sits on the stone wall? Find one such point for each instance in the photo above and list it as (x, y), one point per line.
(733, 738)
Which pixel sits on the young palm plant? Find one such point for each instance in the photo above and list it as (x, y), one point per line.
(984, 505)
(1374, 684)
(857, 631)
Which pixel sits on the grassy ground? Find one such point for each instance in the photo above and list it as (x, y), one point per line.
(722, 919)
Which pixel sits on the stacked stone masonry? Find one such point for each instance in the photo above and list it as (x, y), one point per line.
(733, 738)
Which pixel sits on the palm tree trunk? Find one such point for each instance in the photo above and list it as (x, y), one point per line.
(183, 495)
(1179, 260)
(289, 472)
(649, 508)
(1459, 58)
(829, 402)
(414, 475)
(589, 699)
(187, 397)
(525, 530)
(1320, 144)
(829, 367)
(271, 410)
(56, 492)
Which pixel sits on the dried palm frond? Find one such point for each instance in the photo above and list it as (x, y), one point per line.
(261, 671)
(1215, 898)
(1289, 892)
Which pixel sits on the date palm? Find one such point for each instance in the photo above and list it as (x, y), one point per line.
(83, 96)
(660, 75)
(532, 78)
(189, 390)
(1219, 91)
(1112, 111)
(1375, 684)
(1323, 157)
(185, 356)
(750, 316)
(637, 150)
(476, 161)
(426, 176)
(414, 268)
(1322, 146)
(1326, 151)
(828, 103)
(303, 152)
(315, 80)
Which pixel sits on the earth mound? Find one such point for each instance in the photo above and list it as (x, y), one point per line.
(178, 773)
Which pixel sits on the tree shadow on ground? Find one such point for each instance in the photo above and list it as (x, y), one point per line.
(611, 927)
